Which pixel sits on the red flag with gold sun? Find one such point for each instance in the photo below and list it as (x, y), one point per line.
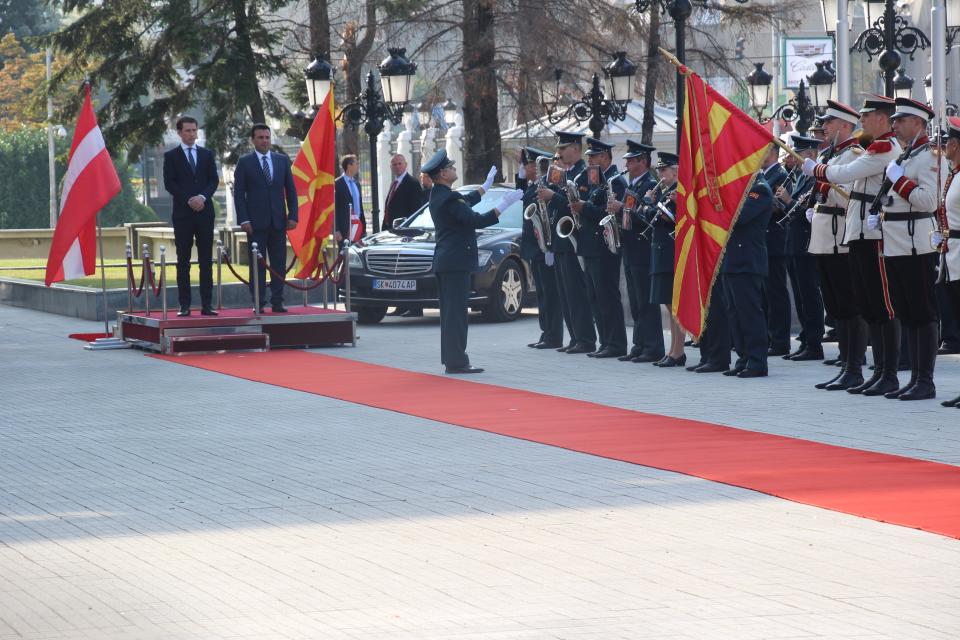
(313, 173)
(721, 150)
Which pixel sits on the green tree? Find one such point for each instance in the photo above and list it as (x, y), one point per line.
(25, 18)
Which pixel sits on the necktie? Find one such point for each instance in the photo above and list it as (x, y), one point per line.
(393, 189)
(266, 169)
(191, 160)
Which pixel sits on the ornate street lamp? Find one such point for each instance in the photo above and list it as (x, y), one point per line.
(372, 108)
(902, 85)
(424, 114)
(595, 108)
(953, 21)
(821, 86)
(759, 81)
(888, 35)
(798, 109)
(450, 110)
(318, 76)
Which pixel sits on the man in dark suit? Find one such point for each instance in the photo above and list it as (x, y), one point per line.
(266, 203)
(405, 195)
(348, 203)
(775, 288)
(190, 177)
(742, 271)
(455, 256)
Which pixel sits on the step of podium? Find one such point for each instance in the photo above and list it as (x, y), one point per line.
(217, 343)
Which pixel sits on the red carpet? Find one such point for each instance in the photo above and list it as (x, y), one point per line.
(89, 337)
(887, 488)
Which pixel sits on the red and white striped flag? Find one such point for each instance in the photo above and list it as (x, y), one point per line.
(91, 182)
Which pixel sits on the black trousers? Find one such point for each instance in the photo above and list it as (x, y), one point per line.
(275, 243)
(869, 281)
(604, 273)
(810, 307)
(951, 292)
(777, 302)
(912, 282)
(715, 342)
(647, 321)
(454, 289)
(836, 285)
(197, 228)
(743, 295)
(949, 313)
(573, 294)
(548, 301)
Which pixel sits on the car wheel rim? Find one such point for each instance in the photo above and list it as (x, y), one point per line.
(512, 290)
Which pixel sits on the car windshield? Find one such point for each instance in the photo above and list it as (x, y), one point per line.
(512, 218)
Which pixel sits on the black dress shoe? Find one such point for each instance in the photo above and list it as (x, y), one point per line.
(565, 348)
(630, 355)
(810, 353)
(643, 357)
(711, 368)
(799, 350)
(466, 369)
(951, 403)
(184, 312)
(670, 361)
(278, 308)
(548, 345)
(593, 354)
(946, 349)
(734, 372)
(533, 345)
(581, 348)
(609, 353)
(694, 367)
(752, 373)
(920, 391)
(208, 311)
(832, 362)
(660, 361)
(778, 351)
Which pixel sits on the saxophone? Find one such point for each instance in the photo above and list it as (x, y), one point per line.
(610, 224)
(536, 213)
(568, 225)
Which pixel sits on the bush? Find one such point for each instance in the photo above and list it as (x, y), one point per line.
(25, 187)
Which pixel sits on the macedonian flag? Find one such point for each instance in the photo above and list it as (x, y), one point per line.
(721, 150)
(313, 174)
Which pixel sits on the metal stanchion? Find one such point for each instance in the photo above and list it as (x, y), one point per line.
(255, 277)
(219, 275)
(129, 283)
(163, 280)
(146, 280)
(346, 278)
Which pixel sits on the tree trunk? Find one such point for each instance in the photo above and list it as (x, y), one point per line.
(319, 28)
(652, 76)
(481, 145)
(247, 75)
(355, 52)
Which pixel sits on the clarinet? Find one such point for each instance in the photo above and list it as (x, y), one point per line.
(886, 185)
(808, 198)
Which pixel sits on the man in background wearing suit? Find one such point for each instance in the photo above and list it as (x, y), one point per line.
(190, 177)
(346, 196)
(266, 203)
(405, 195)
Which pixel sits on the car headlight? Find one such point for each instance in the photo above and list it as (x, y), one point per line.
(353, 259)
(483, 256)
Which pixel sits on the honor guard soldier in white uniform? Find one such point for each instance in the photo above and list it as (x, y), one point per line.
(865, 175)
(908, 221)
(828, 225)
(951, 230)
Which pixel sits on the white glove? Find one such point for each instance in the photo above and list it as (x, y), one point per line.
(548, 258)
(873, 222)
(810, 216)
(520, 174)
(894, 171)
(513, 196)
(489, 181)
(808, 166)
(936, 239)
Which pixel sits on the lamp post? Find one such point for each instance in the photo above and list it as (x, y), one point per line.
(888, 35)
(902, 84)
(373, 107)
(799, 109)
(450, 112)
(950, 108)
(596, 107)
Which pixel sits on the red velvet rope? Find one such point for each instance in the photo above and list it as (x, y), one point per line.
(322, 274)
(137, 291)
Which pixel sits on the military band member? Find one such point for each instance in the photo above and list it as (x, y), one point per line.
(869, 280)
(571, 280)
(908, 221)
(541, 264)
(802, 266)
(776, 293)
(663, 218)
(742, 271)
(828, 225)
(951, 213)
(635, 249)
(602, 266)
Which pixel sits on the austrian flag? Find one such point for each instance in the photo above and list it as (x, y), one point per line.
(91, 182)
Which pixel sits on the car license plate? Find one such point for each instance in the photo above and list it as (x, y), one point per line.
(395, 285)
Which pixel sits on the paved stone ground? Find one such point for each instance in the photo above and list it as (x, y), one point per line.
(232, 509)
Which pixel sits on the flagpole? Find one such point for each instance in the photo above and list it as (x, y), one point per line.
(108, 341)
(684, 71)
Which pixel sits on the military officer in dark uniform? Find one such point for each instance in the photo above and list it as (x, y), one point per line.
(775, 288)
(635, 250)
(802, 266)
(455, 256)
(602, 266)
(544, 276)
(571, 279)
(742, 271)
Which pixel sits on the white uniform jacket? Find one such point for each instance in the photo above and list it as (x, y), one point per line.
(909, 213)
(951, 201)
(828, 227)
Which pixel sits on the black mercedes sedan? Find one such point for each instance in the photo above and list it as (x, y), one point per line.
(394, 267)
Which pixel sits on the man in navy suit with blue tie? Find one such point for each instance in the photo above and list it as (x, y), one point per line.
(190, 177)
(266, 205)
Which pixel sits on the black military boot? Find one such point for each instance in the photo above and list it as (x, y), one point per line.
(876, 346)
(856, 348)
(888, 381)
(843, 343)
(928, 340)
(911, 340)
